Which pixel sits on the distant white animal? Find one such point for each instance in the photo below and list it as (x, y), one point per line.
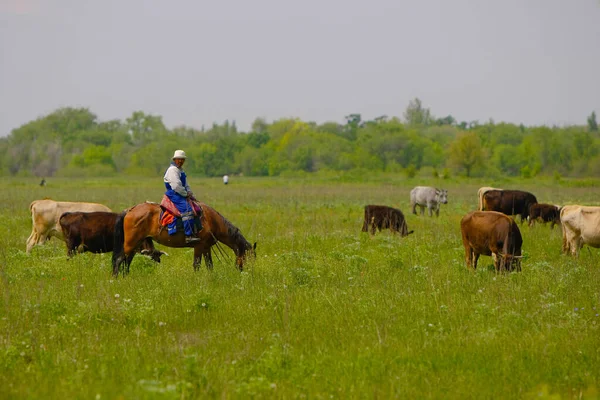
(427, 196)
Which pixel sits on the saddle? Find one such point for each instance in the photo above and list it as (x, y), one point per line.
(169, 214)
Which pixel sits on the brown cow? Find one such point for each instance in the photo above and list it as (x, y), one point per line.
(492, 234)
(95, 232)
(509, 202)
(45, 215)
(545, 213)
(382, 217)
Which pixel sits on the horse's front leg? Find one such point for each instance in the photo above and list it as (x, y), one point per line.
(208, 260)
(197, 258)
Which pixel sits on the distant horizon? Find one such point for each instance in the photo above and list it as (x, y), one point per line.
(194, 63)
(341, 121)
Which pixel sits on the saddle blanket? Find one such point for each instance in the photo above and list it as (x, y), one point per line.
(170, 214)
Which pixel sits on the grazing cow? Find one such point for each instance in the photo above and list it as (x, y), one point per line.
(480, 194)
(95, 232)
(492, 234)
(545, 213)
(580, 225)
(509, 202)
(45, 215)
(431, 197)
(382, 217)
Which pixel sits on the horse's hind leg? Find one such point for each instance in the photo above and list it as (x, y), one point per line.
(128, 260)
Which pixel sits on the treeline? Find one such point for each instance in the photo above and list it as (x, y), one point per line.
(73, 142)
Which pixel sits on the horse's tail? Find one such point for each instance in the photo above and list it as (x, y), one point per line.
(118, 247)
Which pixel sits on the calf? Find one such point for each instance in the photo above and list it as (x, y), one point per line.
(580, 225)
(427, 196)
(545, 213)
(94, 232)
(45, 215)
(492, 234)
(383, 217)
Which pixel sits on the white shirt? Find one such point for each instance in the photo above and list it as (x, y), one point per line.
(173, 178)
(225, 178)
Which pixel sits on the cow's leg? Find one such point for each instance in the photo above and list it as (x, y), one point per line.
(468, 256)
(475, 259)
(565, 242)
(365, 227)
(373, 226)
(32, 239)
(71, 246)
(578, 245)
(414, 207)
(437, 210)
(422, 207)
(497, 261)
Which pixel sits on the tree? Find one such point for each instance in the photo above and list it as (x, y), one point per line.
(145, 128)
(592, 123)
(353, 122)
(416, 114)
(466, 152)
(448, 120)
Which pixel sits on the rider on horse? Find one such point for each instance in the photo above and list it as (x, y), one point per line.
(178, 191)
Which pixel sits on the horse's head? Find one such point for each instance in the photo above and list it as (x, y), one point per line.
(245, 251)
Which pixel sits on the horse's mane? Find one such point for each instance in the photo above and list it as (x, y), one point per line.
(234, 232)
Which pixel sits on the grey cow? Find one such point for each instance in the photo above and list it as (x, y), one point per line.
(428, 196)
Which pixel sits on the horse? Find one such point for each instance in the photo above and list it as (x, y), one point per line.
(142, 221)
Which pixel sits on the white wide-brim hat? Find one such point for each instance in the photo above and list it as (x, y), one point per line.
(179, 154)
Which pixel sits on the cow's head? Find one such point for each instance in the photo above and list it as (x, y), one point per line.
(154, 254)
(509, 262)
(442, 195)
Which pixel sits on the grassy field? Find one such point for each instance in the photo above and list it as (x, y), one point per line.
(325, 311)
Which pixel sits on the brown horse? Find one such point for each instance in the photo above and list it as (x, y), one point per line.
(142, 221)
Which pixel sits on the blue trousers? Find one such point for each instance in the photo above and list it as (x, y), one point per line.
(187, 214)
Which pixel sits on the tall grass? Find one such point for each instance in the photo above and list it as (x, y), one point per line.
(325, 311)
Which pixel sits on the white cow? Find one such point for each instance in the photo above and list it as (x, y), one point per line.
(45, 215)
(431, 197)
(481, 193)
(580, 225)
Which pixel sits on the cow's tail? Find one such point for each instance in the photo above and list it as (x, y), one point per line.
(118, 247)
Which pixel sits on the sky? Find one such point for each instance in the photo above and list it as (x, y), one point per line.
(197, 62)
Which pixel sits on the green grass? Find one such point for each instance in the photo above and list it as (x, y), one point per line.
(325, 311)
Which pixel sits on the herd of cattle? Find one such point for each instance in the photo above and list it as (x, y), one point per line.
(489, 231)
(83, 227)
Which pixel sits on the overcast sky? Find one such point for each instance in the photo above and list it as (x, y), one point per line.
(195, 62)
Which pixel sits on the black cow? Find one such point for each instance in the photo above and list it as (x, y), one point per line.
(382, 217)
(509, 202)
(94, 232)
(545, 213)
